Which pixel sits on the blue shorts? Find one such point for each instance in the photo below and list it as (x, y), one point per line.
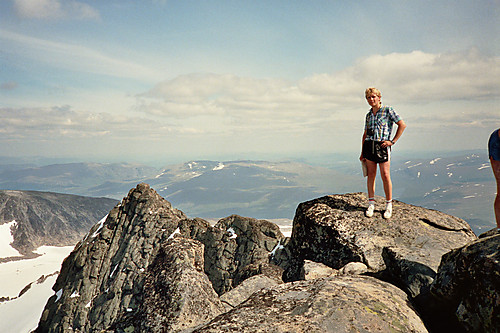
(494, 146)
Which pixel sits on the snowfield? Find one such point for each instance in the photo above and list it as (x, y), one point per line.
(20, 314)
(6, 239)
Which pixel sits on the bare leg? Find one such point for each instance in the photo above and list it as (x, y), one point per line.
(495, 165)
(371, 167)
(385, 174)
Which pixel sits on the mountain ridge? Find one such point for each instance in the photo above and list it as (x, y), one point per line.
(47, 218)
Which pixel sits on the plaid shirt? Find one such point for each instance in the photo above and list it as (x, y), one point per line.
(381, 123)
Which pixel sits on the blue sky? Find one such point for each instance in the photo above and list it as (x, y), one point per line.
(164, 80)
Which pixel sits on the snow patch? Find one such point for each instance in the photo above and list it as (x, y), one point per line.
(75, 294)
(414, 165)
(434, 160)
(219, 166)
(192, 164)
(6, 239)
(99, 228)
(177, 231)
(59, 294)
(113, 272)
(276, 248)
(161, 174)
(232, 233)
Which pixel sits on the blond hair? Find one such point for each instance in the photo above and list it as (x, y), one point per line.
(372, 90)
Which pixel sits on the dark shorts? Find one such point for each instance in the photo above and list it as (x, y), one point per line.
(373, 151)
(494, 146)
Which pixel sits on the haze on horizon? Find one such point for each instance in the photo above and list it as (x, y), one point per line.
(135, 80)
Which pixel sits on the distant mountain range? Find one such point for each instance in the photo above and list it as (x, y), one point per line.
(461, 185)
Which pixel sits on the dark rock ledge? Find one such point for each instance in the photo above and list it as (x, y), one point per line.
(151, 269)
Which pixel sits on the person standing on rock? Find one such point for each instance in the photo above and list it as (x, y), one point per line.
(494, 154)
(376, 147)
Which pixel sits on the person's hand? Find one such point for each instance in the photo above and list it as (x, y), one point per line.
(361, 158)
(386, 143)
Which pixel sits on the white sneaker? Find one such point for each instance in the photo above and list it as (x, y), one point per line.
(388, 211)
(369, 211)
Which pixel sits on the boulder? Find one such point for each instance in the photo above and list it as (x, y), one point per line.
(237, 295)
(406, 249)
(236, 247)
(468, 282)
(313, 270)
(354, 268)
(335, 304)
(177, 294)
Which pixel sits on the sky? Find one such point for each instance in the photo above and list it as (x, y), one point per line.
(136, 81)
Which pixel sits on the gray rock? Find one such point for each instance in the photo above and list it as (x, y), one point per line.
(239, 294)
(315, 270)
(177, 294)
(354, 268)
(334, 230)
(335, 304)
(468, 281)
(104, 275)
(236, 247)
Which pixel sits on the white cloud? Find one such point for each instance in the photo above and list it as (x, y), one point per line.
(57, 123)
(232, 96)
(405, 78)
(54, 9)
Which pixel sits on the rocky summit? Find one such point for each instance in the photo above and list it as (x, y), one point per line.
(150, 268)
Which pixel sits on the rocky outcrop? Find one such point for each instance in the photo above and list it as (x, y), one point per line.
(177, 294)
(405, 250)
(237, 248)
(104, 275)
(468, 283)
(335, 304)
(150, 268)
(45, 218)
(106, 281)
(334, 230)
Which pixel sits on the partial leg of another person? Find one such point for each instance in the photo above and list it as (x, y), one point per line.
(495, 165)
